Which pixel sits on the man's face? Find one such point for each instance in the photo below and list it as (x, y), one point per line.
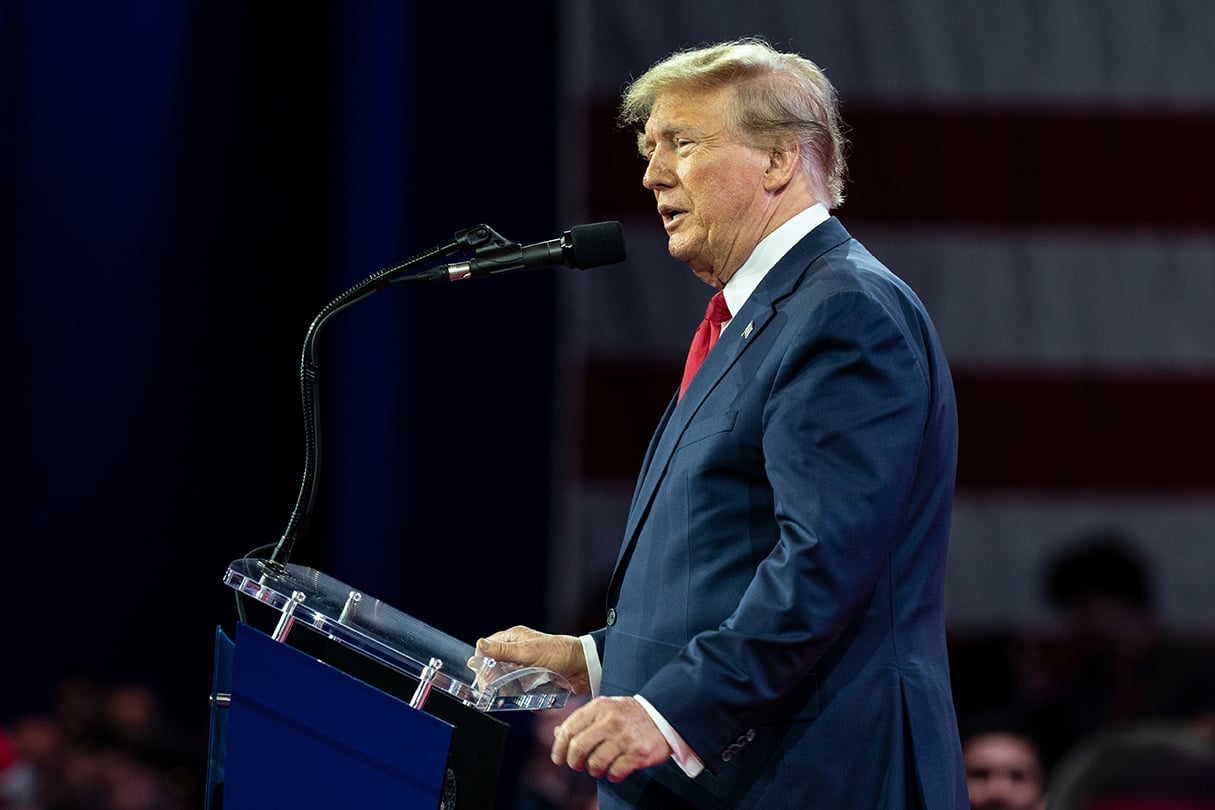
(708, 184)
(1002, 773)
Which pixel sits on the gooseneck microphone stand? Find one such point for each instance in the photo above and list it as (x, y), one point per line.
(478, 239)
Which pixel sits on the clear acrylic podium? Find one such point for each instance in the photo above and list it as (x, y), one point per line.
(349, 702)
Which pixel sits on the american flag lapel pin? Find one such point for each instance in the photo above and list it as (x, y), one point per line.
(747, 331)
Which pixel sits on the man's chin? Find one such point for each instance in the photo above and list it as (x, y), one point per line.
(680, 249)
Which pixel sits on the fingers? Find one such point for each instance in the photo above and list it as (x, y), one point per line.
(489, 648)
(586, 743)
(527, 647)
(498, 645)
(609, 737)
(499, 638)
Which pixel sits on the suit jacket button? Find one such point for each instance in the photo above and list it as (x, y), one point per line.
(727, 755)
(611, 617)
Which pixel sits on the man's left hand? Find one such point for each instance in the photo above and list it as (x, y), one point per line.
(610, 736)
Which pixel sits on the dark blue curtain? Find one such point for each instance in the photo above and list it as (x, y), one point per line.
(184, 186)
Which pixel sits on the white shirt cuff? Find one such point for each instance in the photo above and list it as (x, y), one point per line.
(684, 756)
(594, 669)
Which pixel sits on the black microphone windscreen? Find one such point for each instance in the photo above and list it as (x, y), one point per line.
(596, 245)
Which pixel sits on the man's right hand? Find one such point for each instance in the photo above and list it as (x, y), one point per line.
(531, 648)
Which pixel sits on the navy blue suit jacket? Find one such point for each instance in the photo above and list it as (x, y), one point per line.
(778, 595)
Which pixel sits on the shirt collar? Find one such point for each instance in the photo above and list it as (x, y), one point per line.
(768, 252)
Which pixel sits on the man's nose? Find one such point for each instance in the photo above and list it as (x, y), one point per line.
(656, 175)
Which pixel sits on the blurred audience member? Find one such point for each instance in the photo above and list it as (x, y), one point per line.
(17, 782)
(1004, 767)
(1160, 766)
(1124, 667)
(105, 749)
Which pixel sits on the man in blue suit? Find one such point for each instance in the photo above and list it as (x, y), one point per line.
(775, 628)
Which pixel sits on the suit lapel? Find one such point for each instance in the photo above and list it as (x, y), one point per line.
(741, 332)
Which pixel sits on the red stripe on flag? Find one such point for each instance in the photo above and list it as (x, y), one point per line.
(1020, 431)
(986, 166)
(1035, 430)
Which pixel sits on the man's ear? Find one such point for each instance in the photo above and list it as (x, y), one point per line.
(783, 163)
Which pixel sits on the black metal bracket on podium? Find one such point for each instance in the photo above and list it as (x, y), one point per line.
(348, 702)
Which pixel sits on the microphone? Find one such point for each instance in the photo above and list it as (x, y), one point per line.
(581, 247)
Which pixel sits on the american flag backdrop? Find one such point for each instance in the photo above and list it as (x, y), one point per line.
(1040, 171)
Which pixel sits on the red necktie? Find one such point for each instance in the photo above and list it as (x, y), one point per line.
(716, 314)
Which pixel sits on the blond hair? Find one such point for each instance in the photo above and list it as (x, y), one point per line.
(780, 98)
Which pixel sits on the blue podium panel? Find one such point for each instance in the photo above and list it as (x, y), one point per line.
(302, 734)
(221, 684)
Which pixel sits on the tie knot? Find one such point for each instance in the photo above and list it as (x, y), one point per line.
(717, 312)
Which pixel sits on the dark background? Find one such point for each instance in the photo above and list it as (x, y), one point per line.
(184, 187)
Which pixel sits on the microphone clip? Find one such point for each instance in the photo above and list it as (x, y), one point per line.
(481, 239)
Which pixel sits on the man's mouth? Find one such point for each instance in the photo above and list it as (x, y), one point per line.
(670, 214)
